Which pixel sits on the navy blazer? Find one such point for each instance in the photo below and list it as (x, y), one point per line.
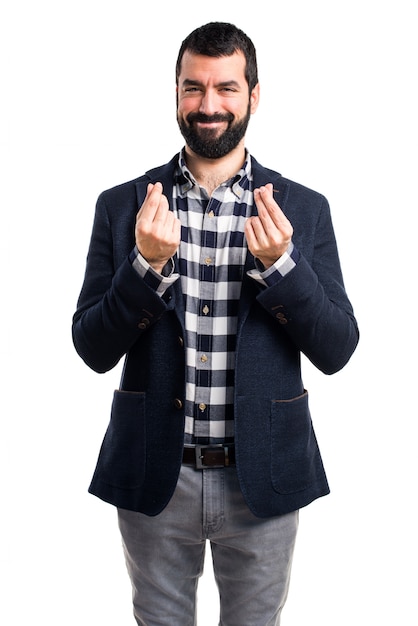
(278, 461)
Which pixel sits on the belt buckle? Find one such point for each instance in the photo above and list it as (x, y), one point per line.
(200, 456)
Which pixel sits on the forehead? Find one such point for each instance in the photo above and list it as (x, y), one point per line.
(205, 69)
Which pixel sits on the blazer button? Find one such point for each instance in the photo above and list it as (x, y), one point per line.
(281, 318)
(144, 323)
(178, 403)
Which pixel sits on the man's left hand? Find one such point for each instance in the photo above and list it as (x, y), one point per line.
(270, 232)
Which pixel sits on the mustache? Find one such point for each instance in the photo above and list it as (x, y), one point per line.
(216, 117)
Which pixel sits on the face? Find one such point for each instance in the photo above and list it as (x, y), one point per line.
(213, 103)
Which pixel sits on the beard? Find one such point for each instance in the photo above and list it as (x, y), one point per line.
(206, 142)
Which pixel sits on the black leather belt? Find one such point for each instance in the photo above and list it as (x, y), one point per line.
(205, 457)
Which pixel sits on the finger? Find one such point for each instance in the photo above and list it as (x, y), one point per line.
(259, 230)
(271, 214)
(250, 235)
(256, 236)
(267, 205)
(264, 215)
(152, 202)
(177, 230)
(165, 221)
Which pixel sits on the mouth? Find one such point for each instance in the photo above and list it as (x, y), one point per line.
(200, 120)
(211, 125)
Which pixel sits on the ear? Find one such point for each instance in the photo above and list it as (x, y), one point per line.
(255, 98)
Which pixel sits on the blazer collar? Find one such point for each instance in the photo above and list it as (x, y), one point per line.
(165, 175)
(262, 176)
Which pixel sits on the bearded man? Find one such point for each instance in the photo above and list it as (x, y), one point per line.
(210, 275)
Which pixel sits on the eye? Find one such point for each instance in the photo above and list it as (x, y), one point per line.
(228, 90)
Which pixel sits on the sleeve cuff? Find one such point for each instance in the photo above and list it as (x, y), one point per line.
(159, 282)
(278, 270)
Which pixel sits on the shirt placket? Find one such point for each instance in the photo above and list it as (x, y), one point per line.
(205, 320)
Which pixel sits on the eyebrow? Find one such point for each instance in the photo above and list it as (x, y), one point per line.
(188, 82)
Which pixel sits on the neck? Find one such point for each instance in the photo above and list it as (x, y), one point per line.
(210, 173)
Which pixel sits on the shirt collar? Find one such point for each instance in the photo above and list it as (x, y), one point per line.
(185, 179)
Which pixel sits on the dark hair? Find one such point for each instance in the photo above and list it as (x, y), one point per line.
(218, 39)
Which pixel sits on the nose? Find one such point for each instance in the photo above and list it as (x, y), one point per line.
(209, 103)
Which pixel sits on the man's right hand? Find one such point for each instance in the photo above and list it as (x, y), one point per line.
(157, 230)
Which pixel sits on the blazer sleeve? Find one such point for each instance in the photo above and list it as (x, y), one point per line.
(115, 305)
(310, 303)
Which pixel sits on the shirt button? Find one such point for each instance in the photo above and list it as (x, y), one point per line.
(208, 260)
(202, 406)
(205, 309)
(203, 358)
(211, 214)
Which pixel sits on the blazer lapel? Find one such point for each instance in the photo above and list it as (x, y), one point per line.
(165, 175)
(250, 288)
(263, 176)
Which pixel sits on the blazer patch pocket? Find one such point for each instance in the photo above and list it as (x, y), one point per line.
(121, 460)
(294, 451)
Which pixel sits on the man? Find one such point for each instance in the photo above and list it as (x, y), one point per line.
(210, 275)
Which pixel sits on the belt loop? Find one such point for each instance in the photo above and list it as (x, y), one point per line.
(199, 457)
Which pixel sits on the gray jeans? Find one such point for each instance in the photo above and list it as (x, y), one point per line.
(251, 556)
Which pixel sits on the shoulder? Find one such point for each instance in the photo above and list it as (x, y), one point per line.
(263, 175)
(127, 191)
(299, 202)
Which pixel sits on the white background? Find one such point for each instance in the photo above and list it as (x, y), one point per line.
(89, 102)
